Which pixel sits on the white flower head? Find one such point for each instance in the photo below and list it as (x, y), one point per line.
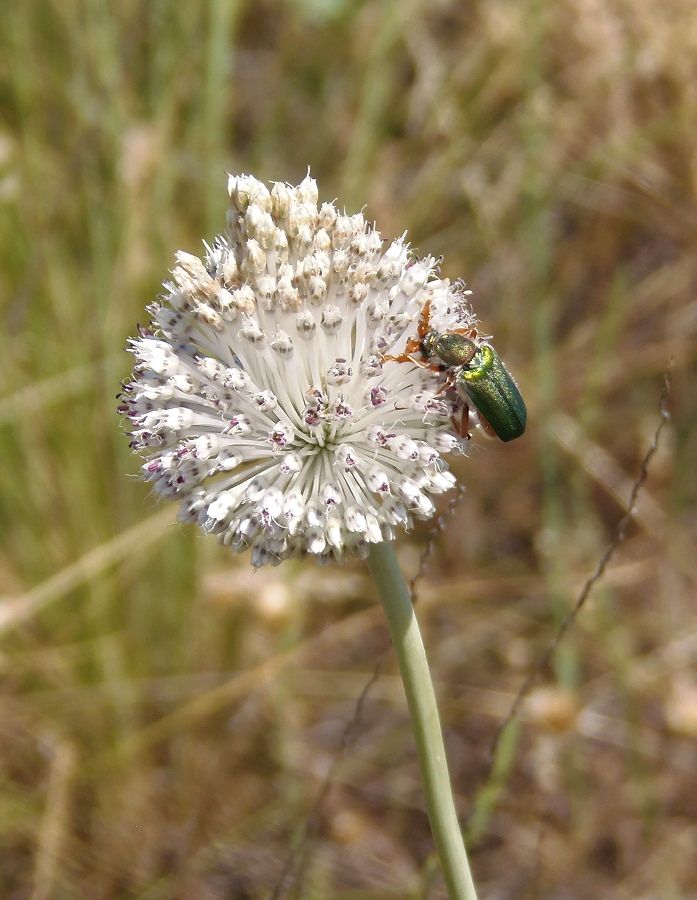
(261, 397)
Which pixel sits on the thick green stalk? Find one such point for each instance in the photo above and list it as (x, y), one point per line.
(406, 637)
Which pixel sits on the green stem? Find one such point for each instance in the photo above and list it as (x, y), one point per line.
(418, 687)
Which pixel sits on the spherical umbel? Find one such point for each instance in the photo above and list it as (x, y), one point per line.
(266, 396)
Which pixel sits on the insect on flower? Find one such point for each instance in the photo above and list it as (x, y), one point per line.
(259, 399)
(475, 370)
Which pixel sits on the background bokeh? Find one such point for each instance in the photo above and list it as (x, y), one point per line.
(167, 717)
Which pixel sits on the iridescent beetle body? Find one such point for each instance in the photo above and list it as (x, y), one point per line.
(478, 373)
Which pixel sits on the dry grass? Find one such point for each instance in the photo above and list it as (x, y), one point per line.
(166, 718)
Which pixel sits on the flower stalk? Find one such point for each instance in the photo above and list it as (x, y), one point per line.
(421, 699)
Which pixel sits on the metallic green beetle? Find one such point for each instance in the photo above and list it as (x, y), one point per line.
(476, 371)
(483, 380)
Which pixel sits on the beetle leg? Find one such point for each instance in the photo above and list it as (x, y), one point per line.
(486, 427)
(433, 367)
(424, 321)
(462, 427)
(447, 384)
(412, 346)
(404, 357)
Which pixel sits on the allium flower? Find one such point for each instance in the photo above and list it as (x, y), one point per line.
(260, 395)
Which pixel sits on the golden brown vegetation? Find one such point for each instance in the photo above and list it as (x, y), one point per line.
(167, 718)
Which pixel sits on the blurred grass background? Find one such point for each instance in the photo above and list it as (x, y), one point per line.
(167, 717)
